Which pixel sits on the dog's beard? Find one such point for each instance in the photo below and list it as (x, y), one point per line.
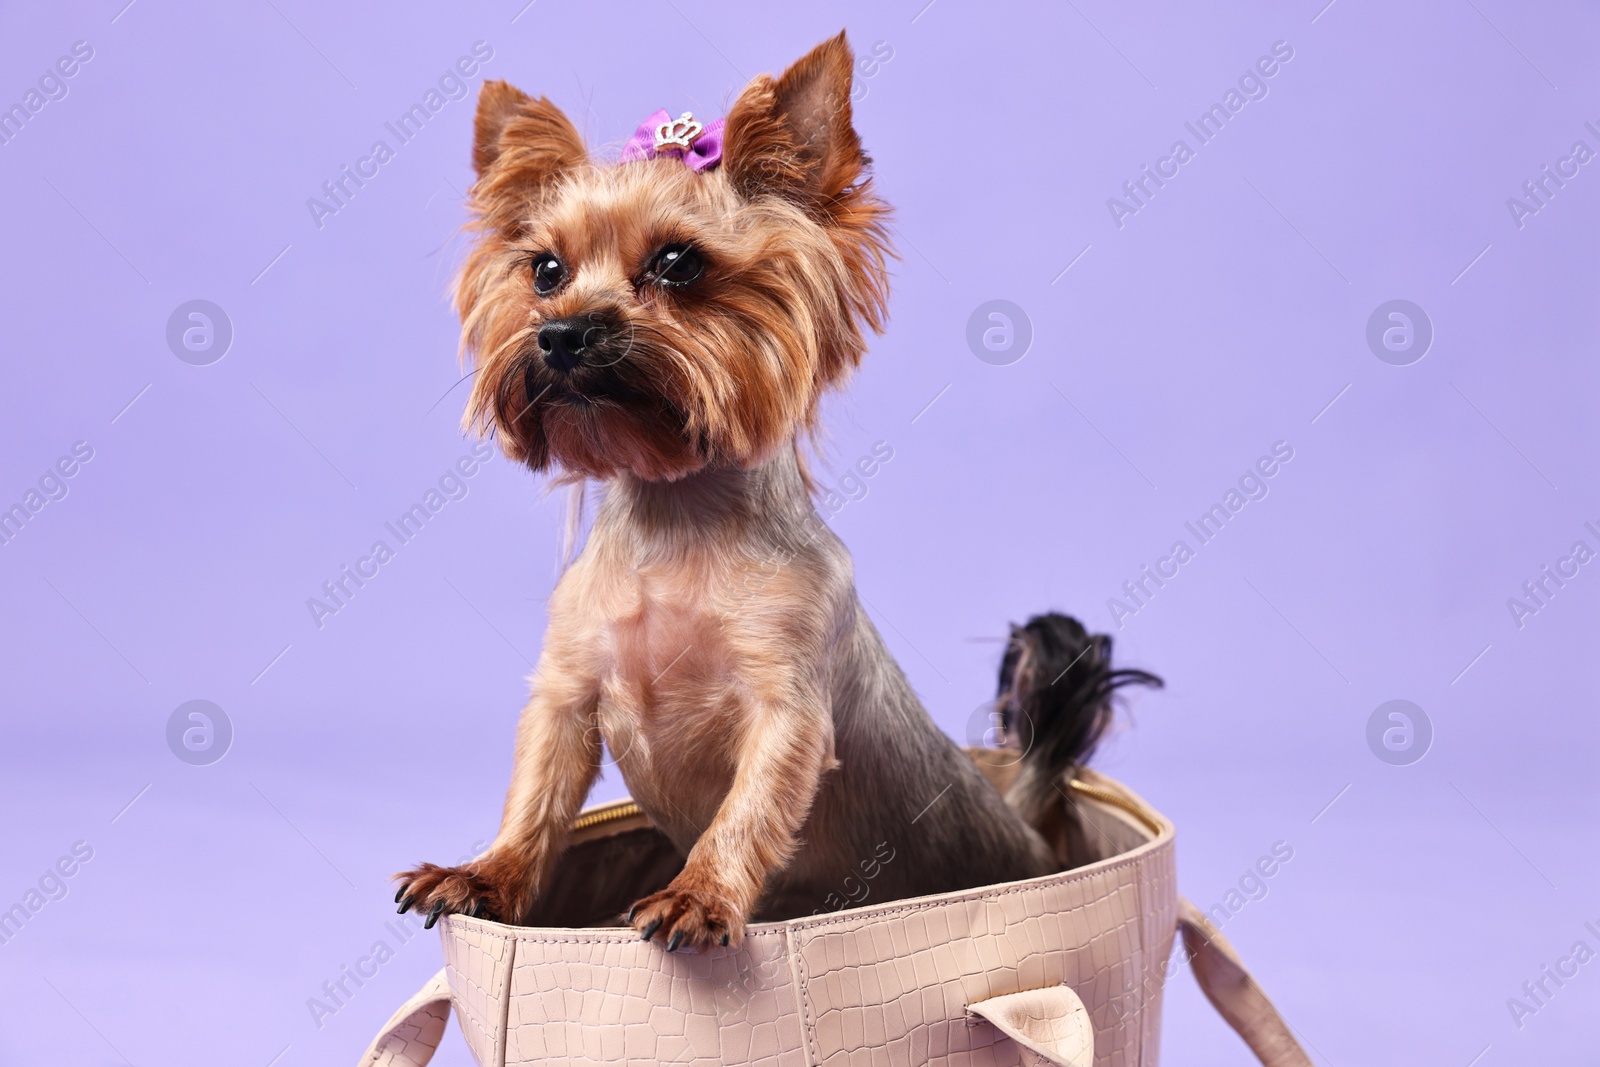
(623, 409)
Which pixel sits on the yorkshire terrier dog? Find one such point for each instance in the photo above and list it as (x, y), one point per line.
(667, 325)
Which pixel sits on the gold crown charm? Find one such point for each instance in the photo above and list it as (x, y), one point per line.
(679, 133)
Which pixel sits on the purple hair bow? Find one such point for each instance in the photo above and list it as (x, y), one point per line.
(698, 144)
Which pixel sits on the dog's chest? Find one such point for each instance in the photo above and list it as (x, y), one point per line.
(665, 639)
(662, 645)
(668, 677)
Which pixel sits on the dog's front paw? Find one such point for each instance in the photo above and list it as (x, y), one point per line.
(688, 915)
(484, 889)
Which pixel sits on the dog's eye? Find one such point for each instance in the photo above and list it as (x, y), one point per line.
(677, 265)
(548, 273)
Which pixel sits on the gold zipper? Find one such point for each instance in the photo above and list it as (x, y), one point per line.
(617, 809)
(1116, 800)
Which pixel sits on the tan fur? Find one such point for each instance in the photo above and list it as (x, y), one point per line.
(709, 632)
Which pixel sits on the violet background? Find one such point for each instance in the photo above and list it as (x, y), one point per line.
(1226, 315)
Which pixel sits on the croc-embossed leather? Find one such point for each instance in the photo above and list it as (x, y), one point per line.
(1066, 969)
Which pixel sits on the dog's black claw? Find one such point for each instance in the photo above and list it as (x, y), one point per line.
(724, 940)
(478, 910)
(398, 893)
(433, 916)
(674, 941)
(405, 906)
(631, 912)
(650, 930)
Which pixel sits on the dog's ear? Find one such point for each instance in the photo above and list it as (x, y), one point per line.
(793, 137)
(528, 142)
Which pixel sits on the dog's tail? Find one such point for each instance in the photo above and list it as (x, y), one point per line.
(1055, 700)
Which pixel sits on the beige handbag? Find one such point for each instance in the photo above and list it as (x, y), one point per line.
(1067, 969)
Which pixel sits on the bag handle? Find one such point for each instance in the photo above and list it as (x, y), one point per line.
(1234, 993)
(412, 1034)
(1050, 1026)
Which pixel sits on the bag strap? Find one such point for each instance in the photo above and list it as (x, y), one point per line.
(1236, 996)
(412, 1034)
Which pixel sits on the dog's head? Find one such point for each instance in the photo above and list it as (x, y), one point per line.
(650, 318)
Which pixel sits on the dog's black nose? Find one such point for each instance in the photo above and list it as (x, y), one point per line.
(564, 341)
